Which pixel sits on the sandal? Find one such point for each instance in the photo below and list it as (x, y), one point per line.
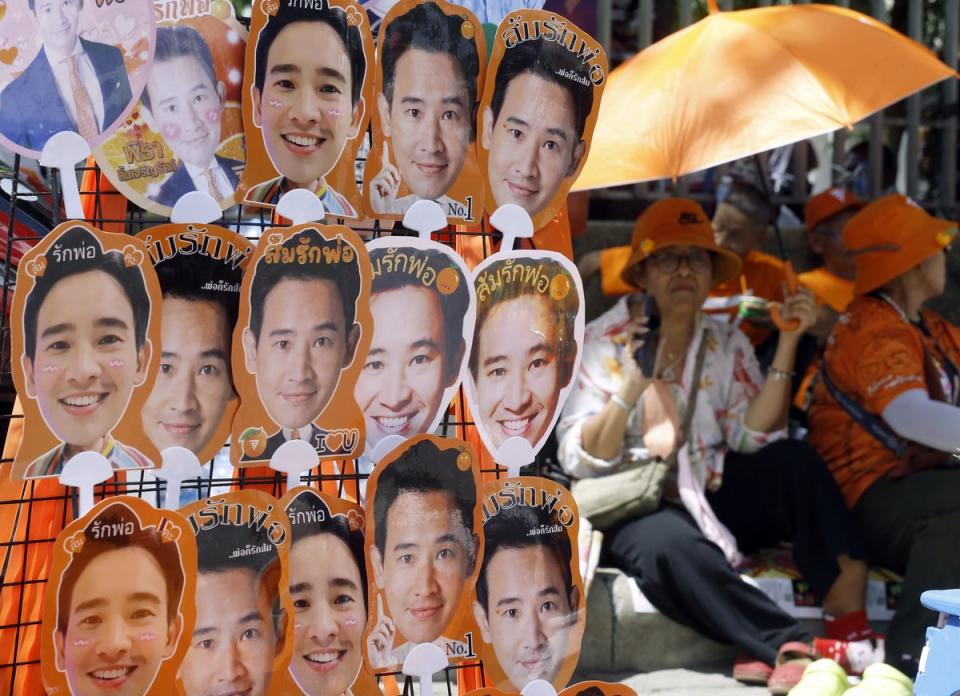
(749, 670)
(792, 659)
(822, 678)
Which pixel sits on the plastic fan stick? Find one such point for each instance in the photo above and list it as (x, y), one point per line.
(84, 471)
(195, 207)
(62, 152)
(425, 660)
(425, 217)
(300, 206)
(295, 458)
(179, 464)
(513, 222)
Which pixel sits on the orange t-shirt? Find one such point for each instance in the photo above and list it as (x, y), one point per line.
(873, 357)
(829, 289)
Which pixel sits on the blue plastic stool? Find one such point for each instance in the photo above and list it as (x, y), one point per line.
(939, 673)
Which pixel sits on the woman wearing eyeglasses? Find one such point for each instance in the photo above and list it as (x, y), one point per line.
(631, 404)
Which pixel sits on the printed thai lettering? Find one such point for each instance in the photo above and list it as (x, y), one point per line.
(555, 30)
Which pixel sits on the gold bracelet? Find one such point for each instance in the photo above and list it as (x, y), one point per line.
(780, 375)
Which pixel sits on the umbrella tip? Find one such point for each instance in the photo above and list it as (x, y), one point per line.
(712, 6)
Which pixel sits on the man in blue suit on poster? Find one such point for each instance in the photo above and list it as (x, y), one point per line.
(72, 84)
(184, 102)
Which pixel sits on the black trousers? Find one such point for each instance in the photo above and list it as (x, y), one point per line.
(912, 526)
(781, 493)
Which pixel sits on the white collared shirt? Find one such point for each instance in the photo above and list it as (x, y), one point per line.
(224, 187)
(60, 66)
(302, 433)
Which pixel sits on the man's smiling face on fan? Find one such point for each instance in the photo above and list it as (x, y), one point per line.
(305, 109)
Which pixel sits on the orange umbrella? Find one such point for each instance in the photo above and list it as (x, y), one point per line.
(738, 83)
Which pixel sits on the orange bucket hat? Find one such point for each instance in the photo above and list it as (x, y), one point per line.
(677, 222)
(828, 203)
(890, 236)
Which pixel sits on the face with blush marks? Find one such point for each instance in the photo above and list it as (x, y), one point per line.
(117, 632)
(186, 106)
(329, 614)
(86, 362)
(305, 109)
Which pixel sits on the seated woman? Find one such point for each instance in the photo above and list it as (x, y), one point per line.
(898, 369)
(685, 553)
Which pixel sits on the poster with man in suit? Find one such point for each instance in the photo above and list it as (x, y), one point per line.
(87, 66)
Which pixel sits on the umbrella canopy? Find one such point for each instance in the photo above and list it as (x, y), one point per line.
(738, 83)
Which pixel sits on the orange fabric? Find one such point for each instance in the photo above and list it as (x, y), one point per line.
(890, 236)
(612, 262)
(874, 357)
(828, 203)
(670, 109)
(113, 205)
(829, 289)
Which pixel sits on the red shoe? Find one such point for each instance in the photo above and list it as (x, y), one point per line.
(749, 670)
(792, 660)
(853, 656)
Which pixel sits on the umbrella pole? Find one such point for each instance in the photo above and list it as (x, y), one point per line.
(765, 182)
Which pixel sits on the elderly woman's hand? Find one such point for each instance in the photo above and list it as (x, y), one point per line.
(638, 334)
(801, 306)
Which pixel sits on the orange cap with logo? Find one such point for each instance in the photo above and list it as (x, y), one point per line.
(677, 222)
(890, 236)
(828, 203)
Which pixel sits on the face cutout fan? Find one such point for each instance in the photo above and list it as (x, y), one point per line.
(526, 347)
(243, 635)
(430, 72)
(86, 325)
(423, 309)
(307, 101)
(540, 105)
(200, 270)
(329, 598)
(303, 329)
(422, 519)
(118, 611)
(530, 603)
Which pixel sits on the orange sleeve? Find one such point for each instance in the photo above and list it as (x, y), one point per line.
(889, 362)
(612, 262)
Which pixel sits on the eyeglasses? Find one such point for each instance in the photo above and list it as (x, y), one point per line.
(668, 261)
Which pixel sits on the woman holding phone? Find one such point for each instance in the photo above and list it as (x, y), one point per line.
(632, 393)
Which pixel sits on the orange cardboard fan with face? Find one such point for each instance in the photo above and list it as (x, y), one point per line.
(118, 611)
(86, 328)
(423, 551)
(431, 60)
(307, 101)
